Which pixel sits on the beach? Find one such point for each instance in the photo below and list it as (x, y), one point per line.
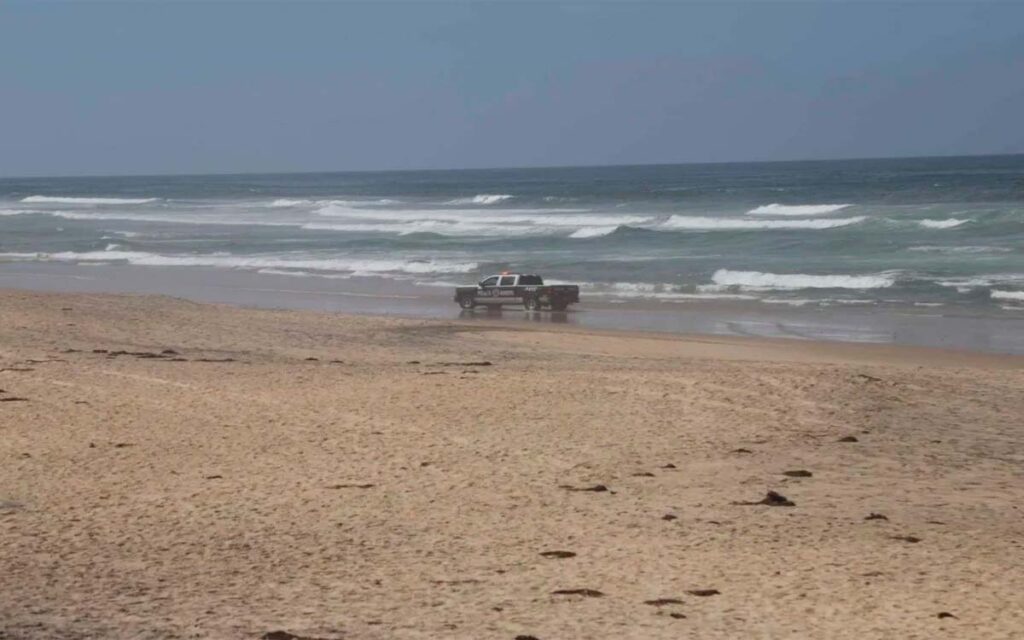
(180, 469)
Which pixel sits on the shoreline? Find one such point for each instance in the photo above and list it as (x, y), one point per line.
(584, 340)
(950, 328)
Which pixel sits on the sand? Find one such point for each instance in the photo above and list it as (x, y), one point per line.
(241, 472)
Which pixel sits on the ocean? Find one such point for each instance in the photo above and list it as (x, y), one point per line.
(918, 238)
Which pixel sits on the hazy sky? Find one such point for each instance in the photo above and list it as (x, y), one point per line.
(175, 87)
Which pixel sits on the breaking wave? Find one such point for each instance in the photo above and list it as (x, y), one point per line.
(349, 265)
(648, 290)
(71, 200)
(948, 223)
(593, 232)
(758, 281)
(776, 209)
(1007, 295)
(483, 198)
(700, 223)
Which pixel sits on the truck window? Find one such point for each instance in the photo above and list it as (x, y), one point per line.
(507, 281)
(489, 282)
(530, 280)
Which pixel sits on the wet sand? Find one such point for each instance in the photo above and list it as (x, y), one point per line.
(996, 331)
(174, 469)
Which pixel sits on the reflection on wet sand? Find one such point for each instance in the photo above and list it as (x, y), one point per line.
(497, 313)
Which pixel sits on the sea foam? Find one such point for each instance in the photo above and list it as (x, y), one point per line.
(1007, 295)
(948, 223)
(483, 198)
(700, 223)
(352, 265)
(593, 232)
(72, 200)
(776, 209)
(758, 281)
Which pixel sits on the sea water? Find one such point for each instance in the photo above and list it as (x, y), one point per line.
(936, 233)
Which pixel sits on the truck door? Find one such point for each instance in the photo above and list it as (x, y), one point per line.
(507, 289)
(488, 291)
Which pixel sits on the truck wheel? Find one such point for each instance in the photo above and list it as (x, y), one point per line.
(531, 304)
(559, 306)
(467, 302)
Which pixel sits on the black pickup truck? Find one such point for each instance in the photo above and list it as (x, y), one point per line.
(518, 288)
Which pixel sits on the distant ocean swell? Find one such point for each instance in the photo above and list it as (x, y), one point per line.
(382, 216)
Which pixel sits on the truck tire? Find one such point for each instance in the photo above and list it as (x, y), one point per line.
(467, 302)
(559, 305)
(531, 304)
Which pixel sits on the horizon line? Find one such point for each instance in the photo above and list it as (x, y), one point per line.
(506, 168)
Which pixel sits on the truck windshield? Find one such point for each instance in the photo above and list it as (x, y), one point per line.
(531, 280)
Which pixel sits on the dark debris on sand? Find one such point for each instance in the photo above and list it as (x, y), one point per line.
(587, 593)
(597, 488)
(797, 473)
(661, 602)
(772, 499)
(704, 593)
(848, 439)
(284, 635)
(875, 516)
(558, 554)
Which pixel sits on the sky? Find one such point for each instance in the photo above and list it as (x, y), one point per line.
(232, 87)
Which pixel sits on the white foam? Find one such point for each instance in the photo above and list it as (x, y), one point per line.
(483, 198)
(461, 222)
(299, 262)
(287, 203)
(1007, 295)
(541, 217)
(593, 232)
(71, 200)
(439, 227)
(948, 223)
(776, 209)
(793, 302)
(758, 281)
(966, 284)
(698, 223)
(647, 290)
(187, 219)
(113, 247)
(20, 212)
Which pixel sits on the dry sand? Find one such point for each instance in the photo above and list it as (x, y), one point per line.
(390, 489)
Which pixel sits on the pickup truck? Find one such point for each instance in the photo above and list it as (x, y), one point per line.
(518, 288)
